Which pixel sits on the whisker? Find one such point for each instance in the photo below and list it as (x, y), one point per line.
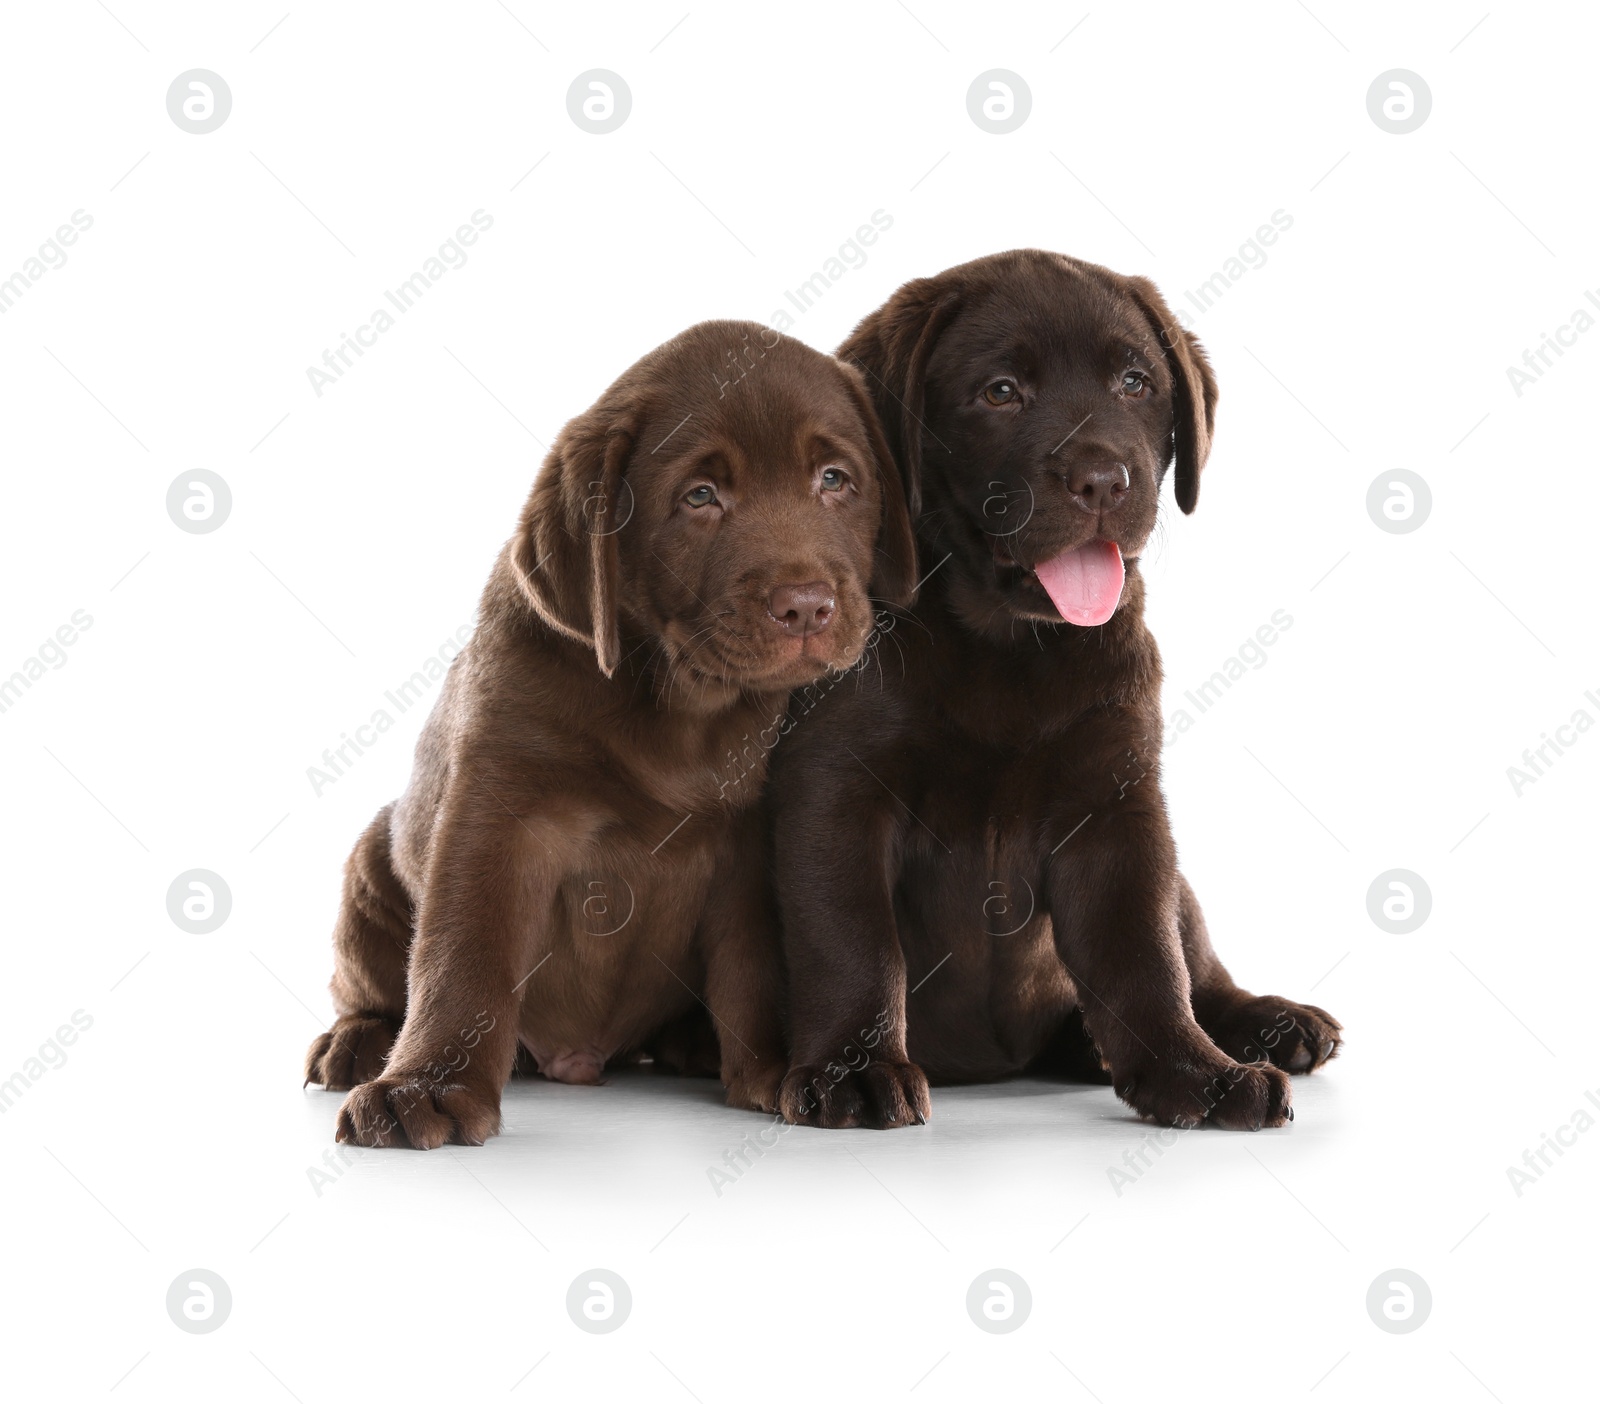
(900, 612)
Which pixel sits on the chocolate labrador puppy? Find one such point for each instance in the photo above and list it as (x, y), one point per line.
(578, 858)
(974, 860)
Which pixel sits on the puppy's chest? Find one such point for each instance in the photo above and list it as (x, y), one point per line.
(1011, 712)
(719, 768)
(972, 790)
(992, 796)
(620, 957)
(637, 889)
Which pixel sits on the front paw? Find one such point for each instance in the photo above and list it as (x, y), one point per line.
(1296, 1037)
(420, 1111)
(879, 1095)
(352, 1051)
(1189, 1089)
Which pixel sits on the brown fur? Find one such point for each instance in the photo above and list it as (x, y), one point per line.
(577, 862)
(975, 856)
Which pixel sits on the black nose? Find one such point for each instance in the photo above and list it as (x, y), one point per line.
(802, 609)
(1097, 488)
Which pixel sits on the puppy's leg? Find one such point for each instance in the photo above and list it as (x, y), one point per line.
(1071, 1054)
(744, 969)
(837, 855)
(686, 1045)
(1296, 1037)
(371, 945)
(1114, 908)
(481, 927)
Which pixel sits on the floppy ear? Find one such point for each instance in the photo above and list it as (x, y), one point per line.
(894, 574)
(564, 555)
(892, 347)
(1194, 407)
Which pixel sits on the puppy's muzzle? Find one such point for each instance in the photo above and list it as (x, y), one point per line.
(802, 610)
(1097, 487)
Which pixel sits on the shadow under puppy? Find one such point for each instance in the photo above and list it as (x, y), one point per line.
(988, 828)
(578, 857)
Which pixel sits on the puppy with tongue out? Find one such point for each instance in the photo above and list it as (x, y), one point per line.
(975, 870)
(1084, 584)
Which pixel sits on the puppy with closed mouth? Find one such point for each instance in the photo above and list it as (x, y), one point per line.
(981, 845)
(578, 861)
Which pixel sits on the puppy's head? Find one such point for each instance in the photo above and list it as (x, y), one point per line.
(730, 499)
(1035, 404)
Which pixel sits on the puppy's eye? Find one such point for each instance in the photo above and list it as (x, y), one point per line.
(702, 496)
(1002, 392)
(1135, 384)
(834, 480)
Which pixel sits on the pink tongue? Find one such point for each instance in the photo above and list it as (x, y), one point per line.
(1085, 584)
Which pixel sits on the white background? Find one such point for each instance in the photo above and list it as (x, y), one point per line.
(179, 730)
